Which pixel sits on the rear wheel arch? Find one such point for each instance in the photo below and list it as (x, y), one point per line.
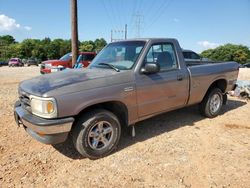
(220, 84)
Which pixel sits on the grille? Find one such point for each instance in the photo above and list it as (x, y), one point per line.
(42, 66)
(25, 101)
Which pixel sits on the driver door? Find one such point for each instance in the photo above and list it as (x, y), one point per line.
(164, 90)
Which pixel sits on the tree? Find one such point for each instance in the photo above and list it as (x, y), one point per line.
(26, 48)
(65, 47)
(90, 46)
(99, 44)
(44, 49)
(228, 52)
(13, 50)
(87, 46)
(7, 40)
(74, 31)
(39, 52)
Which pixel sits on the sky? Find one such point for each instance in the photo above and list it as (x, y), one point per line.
(198, 25)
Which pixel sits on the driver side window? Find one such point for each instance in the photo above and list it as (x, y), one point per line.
(164, 55)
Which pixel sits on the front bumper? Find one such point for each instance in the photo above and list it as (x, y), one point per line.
(45, 70)
(47, 131)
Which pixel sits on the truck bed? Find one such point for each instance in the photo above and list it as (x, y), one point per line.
(195, 63)
(202, 74)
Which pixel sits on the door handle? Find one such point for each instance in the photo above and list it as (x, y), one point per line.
(179, 77)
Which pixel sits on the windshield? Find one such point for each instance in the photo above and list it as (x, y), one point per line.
(121, 55)
(66, 57)
(85, 57)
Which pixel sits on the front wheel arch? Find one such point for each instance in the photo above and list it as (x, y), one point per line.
(84, 127)
(116, 107)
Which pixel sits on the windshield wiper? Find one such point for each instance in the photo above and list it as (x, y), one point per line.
(111, 66)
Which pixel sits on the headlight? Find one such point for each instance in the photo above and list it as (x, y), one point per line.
(48, 65)
(43, 107)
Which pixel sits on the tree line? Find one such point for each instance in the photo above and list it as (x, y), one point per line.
(43, 49)
(53, 49)
(228, 52)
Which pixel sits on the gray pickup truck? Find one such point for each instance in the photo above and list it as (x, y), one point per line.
(127, 82)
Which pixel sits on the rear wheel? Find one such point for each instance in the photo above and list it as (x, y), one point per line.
(96, 134)
(212, 103)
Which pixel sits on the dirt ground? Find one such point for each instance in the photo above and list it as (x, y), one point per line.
(176, 149)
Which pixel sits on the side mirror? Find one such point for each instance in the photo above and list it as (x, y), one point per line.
(150, 68)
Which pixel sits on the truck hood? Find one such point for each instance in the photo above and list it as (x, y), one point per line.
(73, 80)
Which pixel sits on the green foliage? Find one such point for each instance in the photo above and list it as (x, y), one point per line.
(90, 46)
(43, 49)
(13, 50)
(100, 44)
(87, 46)
(7, 40)
(228, 52)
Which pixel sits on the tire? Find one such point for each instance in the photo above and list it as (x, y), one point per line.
(212, 103)
(89, 135)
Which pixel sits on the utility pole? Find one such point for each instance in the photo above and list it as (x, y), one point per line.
(111, 36)
(126, 31)
(138, 22)
(74, 31)
(117, 35)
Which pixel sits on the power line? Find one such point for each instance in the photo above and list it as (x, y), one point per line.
(150, 7)
(140, 7)
(118, 12)
(121, 10)
(162, 8)
(113, 13)
(158, 11)
(133, 12)
(108, 13)
(151, 11)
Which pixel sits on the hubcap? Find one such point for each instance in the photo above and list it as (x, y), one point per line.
(215, 103)
(100, 135)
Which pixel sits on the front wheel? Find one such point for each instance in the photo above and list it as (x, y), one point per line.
(96, 134)
(212, 103)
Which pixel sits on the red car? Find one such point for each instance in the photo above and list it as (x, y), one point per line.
(65, 61)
